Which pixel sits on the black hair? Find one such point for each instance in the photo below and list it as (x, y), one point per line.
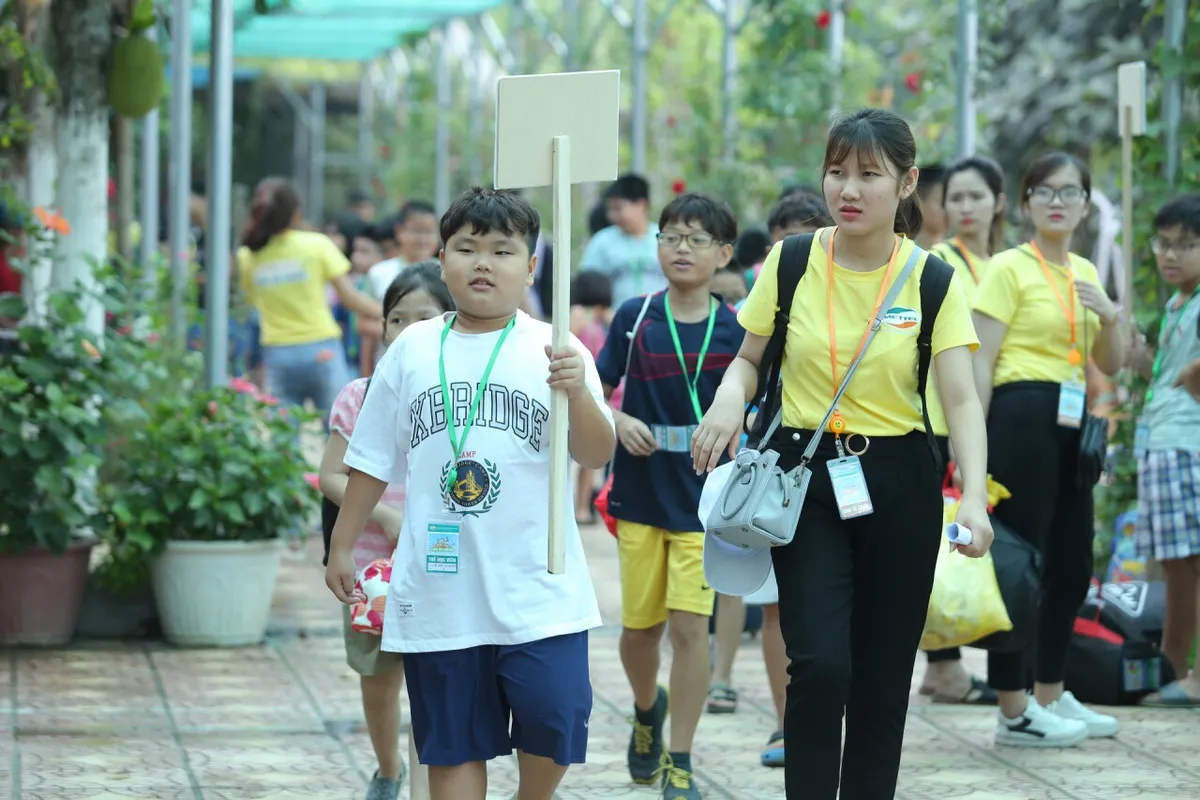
(629, 187)
(802, 208)
(411, 209)
(487, 210)
(598, 218)
(592, 288)
(351, 227)
(993, 176)
(1047, 165)
(272, 210)
(751, 247)
(1183, 212)
(712, 214)
(736, 272)
(931, 176)
(424, 276)
(798, 189)
(356, 197)
(877, 134)
(386, 227)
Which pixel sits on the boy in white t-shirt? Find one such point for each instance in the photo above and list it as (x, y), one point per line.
(495, 647)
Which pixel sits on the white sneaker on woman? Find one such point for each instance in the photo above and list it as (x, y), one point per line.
(1099, 726)
(1038, 727)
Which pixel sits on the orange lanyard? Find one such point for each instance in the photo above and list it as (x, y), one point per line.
(1074, 357)
(966, 254)
(837, 423)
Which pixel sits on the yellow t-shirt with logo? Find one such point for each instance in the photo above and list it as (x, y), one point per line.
(967, 278)
(1035, 347)
(286, 281)
(882, 398)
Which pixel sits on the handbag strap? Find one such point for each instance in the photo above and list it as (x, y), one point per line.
(633, 332)
(876, 323)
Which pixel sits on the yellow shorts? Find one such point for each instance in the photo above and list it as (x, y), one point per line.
(661, 571)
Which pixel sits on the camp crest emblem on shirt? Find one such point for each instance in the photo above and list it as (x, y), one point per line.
(472, 485)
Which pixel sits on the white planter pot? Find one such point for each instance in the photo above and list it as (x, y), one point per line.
(216, 594)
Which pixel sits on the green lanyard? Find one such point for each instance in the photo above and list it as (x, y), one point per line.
(691, 381)
(1164, 335)
(456, 443)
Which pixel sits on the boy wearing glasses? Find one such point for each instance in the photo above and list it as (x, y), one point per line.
(1168, 446)
(672, 348)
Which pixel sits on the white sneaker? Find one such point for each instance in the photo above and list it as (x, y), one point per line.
(1037, 727)
(1099, 726)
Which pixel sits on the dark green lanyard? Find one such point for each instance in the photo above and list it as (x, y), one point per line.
(456, 443)
(1164, 335)
(691, 381)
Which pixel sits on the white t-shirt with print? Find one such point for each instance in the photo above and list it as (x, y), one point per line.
(381, 275)
(489, 584)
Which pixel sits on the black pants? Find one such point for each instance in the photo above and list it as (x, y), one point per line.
(950, 653)
(853, 596)
(1035, 458)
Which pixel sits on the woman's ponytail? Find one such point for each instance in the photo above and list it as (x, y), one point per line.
(272, 210)
(909, 217)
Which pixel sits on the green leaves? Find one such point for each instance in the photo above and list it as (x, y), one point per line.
(13, 306)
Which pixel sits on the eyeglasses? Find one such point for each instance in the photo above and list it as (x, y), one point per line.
(1045, 195)
(1161, 246)
(696, 241)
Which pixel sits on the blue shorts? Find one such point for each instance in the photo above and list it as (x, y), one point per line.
(483, 702)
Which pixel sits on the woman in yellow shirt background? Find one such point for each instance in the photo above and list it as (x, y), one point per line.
(973, 196)
(284, 272)
(1040, 313)
(853, 592)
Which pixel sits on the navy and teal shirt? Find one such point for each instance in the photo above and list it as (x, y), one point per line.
(663, 489)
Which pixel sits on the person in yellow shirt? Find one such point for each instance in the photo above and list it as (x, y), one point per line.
(973, 196)
(854, 583)
(1040, 313)
(284, 272)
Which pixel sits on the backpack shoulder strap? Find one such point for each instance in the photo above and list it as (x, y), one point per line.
(935, 283)
(637, 323)
(793, 263)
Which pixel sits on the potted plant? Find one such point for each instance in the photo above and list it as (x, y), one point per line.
(54, 413)
(219, 480)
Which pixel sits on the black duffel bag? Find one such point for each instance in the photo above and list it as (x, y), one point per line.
(1019, 575)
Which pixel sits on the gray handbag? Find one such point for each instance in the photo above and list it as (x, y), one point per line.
(760, 504)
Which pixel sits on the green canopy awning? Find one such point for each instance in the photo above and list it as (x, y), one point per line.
(329, 30)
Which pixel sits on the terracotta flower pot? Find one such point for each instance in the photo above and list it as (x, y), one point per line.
(40, 595)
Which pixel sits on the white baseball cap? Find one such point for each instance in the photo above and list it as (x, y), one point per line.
(728, 568)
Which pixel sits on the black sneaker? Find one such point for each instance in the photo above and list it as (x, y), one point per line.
(645, 744)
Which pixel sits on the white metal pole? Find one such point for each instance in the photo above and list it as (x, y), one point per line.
(1174, 24)
(729, 67)
(965, 68)
(837, 40)
(441, 146)
(220, 184)
(641, 58)
(148, 155)
(181, 164)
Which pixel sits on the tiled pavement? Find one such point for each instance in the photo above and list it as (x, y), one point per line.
(282, 721)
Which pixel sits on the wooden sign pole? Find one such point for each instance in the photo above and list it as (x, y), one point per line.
(557, 130)
(560, 315)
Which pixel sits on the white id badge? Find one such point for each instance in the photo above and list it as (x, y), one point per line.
(1141, 439)
(1072, 397)
(849, 487)
(441, 546)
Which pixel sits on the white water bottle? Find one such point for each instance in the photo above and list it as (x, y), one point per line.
(957, 534)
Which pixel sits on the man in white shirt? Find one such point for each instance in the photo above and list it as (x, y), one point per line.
(416, 238)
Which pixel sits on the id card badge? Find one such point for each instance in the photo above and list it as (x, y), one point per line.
(1141, 439)
(1072, 398)
(850, 487)
(441, 546)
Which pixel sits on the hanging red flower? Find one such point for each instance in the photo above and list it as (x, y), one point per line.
(912, 82)
(678, 186)
(671, 121)
(823, 19)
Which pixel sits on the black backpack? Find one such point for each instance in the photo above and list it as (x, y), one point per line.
(793, 263)
(1018, 566)
(1114, 658)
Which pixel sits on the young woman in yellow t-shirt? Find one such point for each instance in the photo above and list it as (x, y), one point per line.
(973, 196)
(1040, 313)
(853, 593)
(284, 272)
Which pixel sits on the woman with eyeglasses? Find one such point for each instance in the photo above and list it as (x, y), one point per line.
(1040, 314)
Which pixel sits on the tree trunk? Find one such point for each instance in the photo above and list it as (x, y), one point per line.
(42, 161)
(83, 41)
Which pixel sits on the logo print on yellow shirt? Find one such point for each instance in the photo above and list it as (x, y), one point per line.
(901, 319)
